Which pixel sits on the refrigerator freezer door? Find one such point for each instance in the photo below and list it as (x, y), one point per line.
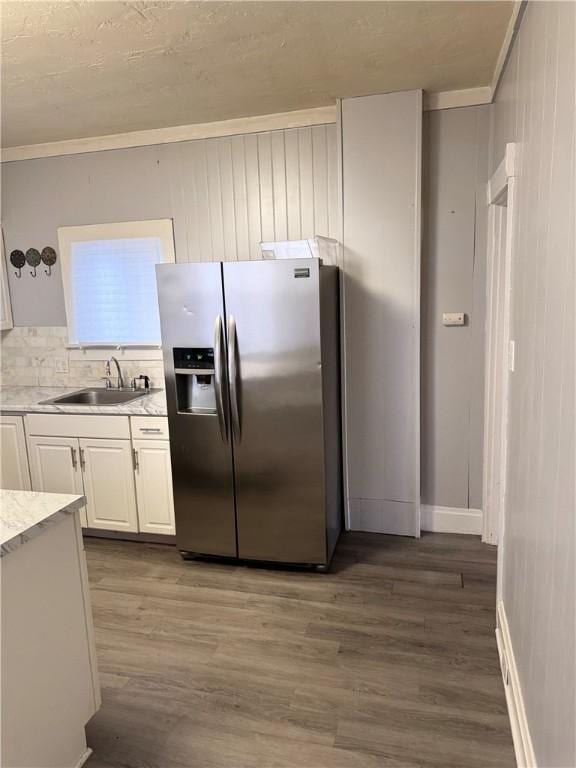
(273, 322)
(193, 334)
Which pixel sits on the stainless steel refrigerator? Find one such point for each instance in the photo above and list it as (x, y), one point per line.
(251, 360)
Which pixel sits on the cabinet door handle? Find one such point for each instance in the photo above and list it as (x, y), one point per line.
(82, 459)
(74, 460)
(150, 430)
(135, 459)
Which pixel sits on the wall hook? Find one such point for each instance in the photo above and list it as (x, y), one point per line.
(49, 257)
(33, 258)
(17, 259)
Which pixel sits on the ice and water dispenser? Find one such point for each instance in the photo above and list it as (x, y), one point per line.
(194, 371)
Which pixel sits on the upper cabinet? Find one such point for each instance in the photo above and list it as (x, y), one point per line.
(5, 305)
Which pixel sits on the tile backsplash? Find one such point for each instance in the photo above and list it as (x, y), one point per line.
(30, 356)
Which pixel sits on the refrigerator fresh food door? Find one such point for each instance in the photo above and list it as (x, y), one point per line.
(273, 328)
(194, 348)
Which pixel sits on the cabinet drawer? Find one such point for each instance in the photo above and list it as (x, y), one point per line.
(149, 427)
(66, 425)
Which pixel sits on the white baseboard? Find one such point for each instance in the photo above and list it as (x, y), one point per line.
(451, 520)
(86, 754)
(523, 748)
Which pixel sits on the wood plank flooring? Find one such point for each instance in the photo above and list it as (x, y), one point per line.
(388, 660)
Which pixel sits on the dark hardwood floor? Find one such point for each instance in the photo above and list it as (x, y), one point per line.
(388, 660)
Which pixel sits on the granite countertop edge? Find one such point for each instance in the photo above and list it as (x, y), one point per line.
(25, 399)
(20, 520)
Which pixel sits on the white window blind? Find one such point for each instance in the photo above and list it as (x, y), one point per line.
(114, 291)
(110, 282)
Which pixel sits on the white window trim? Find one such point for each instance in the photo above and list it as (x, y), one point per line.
(162, 228)
(122, 353)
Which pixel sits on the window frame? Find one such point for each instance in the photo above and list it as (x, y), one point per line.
(160, 228)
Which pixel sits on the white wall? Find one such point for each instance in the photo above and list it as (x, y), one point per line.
(225, 196)
(455, 172)
(270, 185)
(535, 107)
(381, 173)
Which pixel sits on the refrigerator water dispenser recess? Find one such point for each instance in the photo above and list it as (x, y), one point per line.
(194, 372)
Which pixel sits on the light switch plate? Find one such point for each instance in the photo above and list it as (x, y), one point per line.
(453, 318)
(511, 355)
(61, 365)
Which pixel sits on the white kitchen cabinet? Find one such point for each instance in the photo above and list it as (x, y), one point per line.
(14, 472)
(49, 685)
(55, 467)
(154, 486)
(5, 303)
(109, 484)
(127, 483)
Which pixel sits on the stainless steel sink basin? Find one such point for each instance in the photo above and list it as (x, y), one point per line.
(98, 396)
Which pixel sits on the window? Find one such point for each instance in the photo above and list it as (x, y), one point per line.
(110, 281)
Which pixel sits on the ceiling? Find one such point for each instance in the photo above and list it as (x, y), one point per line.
(92, 68)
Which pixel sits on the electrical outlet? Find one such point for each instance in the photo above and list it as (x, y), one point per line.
(61, 365)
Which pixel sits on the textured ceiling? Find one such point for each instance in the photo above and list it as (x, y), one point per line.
(77, 69)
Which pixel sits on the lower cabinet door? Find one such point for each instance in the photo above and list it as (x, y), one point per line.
(14, 473)
(55, 467)
(109, 484)
(154, 486)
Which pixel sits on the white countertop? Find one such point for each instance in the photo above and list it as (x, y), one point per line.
(29, 400)
(25, 514)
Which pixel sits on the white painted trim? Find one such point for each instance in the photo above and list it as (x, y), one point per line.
(451, 519)
(467, 97)
(470, 97)
(122, 353)
(6, 321)
(506, 170)
(525, 757)
(509, 37)
(493, 255)
(342, 288)
(417, 302)
(161, 228)
(501, 196)
(282, 120)
(83, 758)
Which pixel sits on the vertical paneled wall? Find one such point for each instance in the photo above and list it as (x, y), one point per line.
(225, 195)
(535, 107)
(381, 170)
(279, 185)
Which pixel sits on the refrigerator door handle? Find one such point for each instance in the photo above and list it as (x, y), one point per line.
(219, 373)
(233, 378)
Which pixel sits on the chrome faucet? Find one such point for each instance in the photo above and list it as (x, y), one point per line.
(107, 377)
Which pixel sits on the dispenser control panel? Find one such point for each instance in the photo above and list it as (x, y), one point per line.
(193, 358)
(195, 380)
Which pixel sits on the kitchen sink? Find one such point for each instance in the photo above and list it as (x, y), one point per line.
(98, 396)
